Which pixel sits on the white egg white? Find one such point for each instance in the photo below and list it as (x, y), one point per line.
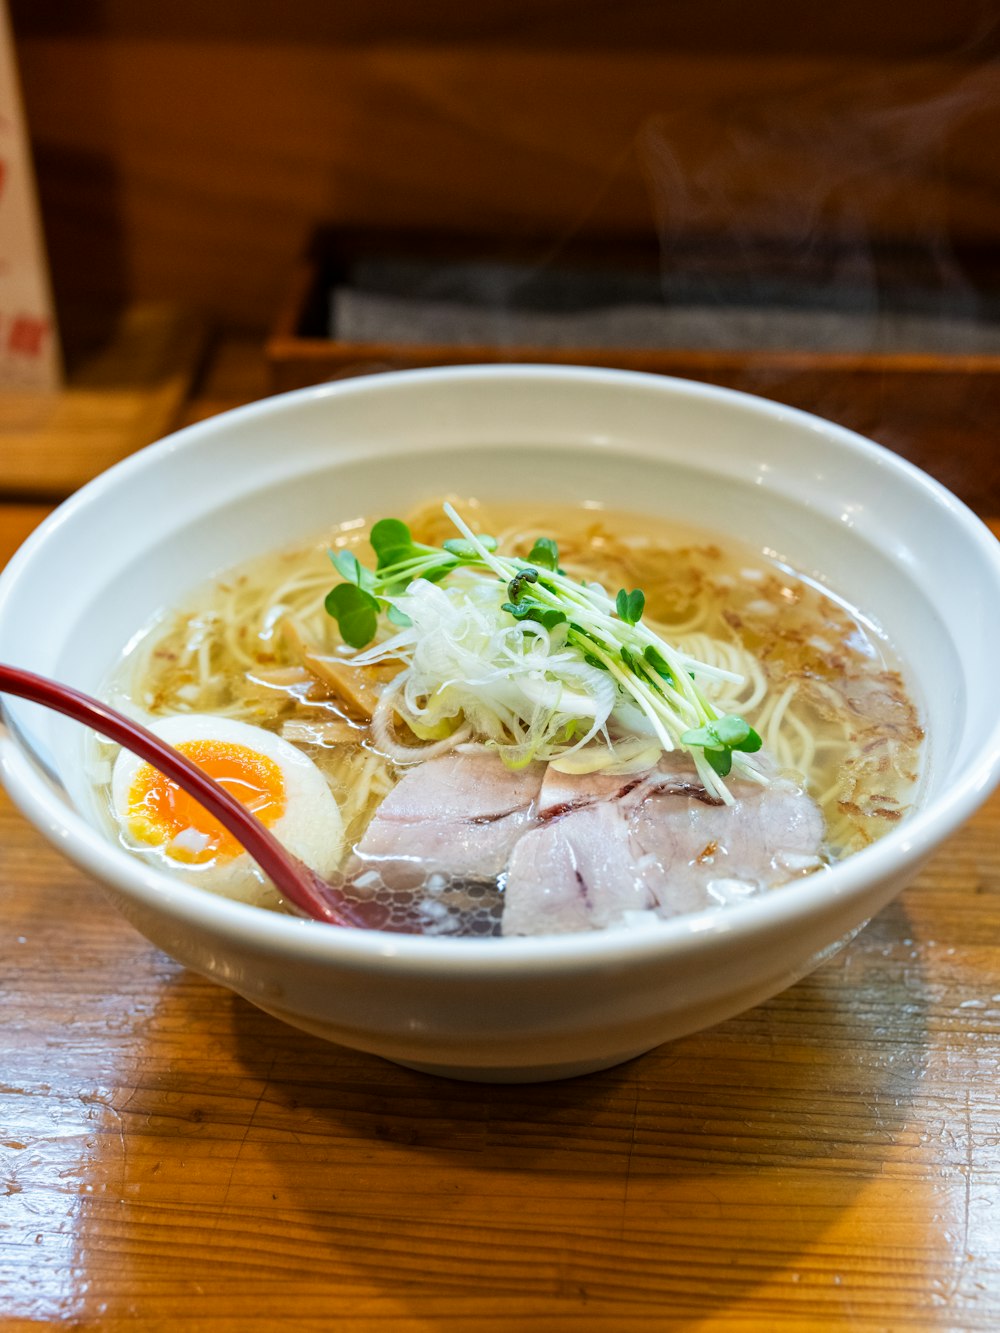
(311, 825)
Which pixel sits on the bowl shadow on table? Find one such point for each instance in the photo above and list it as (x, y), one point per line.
(670, 1178)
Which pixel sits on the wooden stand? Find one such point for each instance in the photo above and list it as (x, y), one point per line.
(124, 392)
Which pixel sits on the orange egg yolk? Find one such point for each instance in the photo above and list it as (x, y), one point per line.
(160, 812)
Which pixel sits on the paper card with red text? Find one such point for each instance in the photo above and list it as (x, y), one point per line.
(29, 349)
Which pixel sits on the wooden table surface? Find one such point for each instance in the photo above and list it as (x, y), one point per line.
(172, 1158)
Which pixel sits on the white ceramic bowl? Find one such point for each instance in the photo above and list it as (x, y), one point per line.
(830, 503)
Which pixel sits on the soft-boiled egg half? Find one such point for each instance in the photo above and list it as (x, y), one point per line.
(277, 782)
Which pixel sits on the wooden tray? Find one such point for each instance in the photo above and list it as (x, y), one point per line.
(300, 350)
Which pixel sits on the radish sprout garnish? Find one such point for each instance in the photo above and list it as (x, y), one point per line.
(539, 666)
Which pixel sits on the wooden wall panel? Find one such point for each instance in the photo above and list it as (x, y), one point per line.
(928, 28)
(188, 151)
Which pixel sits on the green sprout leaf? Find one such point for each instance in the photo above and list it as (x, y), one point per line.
(657, 661)
(392, 542)
(720, 738)
(736, 733)
(527, 609)
(547, 616)
(349, 567)
(545, 554)
(721, 761)
(593, 661)
(347, 564)
(630, 605)
(630, 661)
(355, 611)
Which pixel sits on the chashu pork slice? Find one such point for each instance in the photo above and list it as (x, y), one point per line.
(607, 846)
(459, 815)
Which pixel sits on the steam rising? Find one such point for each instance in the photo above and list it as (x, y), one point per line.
(829, 194)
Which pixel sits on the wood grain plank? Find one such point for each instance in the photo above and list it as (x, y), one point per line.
(121, 395)
(804, 1162)
(206, 158)
(172, 1157)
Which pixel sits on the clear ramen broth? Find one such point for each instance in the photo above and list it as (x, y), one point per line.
(820, 684)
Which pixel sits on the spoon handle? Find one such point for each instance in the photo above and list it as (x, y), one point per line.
(299, 884)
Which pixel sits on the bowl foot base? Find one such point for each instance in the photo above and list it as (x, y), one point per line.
(515, 1074)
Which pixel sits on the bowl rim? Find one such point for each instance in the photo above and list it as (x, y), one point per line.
(899, 850)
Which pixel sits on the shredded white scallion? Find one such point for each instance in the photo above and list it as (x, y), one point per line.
(543, 674)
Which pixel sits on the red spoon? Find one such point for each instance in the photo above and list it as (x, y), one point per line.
(303, 888)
